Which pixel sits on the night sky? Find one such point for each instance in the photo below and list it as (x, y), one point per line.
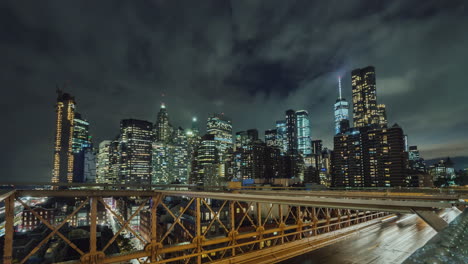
(251, 60)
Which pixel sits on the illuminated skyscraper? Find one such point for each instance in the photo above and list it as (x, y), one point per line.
(162, 128)
(206, 162)
(365, 110)
(221, 127)
(368, 157)
(63, 151)
(136, 138)
(81, 137)
(341, 111)
(161, 163)
(243, 138)
(81, 144)
(270, 138)
(291, 131)
(303, 133)
(103, 174)
(382, 115)
(416, 163)
(281, 137)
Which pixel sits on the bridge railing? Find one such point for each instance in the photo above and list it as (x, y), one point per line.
(164, 227)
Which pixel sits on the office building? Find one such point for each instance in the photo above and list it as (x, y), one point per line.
(136, 138)
(303, 133)
(63, 151)
(443, 173)
(81, 143)
(270, 138)
(281, 137)
(416, 162)
(103, 165)
(220, 127)
(341, 112)
(365, 110)
(291, 131)
(243, 138)
(369, 157)
(162, 128)
(206, 159)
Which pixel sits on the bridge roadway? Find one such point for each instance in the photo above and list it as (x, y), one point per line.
(390, 242)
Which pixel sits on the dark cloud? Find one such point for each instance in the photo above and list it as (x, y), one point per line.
(248, 59)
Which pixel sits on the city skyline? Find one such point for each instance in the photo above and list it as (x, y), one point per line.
(274, 79)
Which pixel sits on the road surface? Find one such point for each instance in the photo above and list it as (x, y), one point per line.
(388, 243)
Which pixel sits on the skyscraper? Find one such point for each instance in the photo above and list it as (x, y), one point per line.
(63, 151)
(382, 115)
(365, 110)
(162, 128)
(81, 137)
(206, 160)
(291, 131)
(270, 138)
(103, 163)
(369, 157)
(243, 138)
(221, 127)
(136, 137)
(416, 163)
(281, 137)
(81, 144)
(341, 111)
(303, 133)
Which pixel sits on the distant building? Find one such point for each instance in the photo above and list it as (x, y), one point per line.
(89, 168)
(443, 172)
(270, 138)
(341, 112)
(369, 157)
(416, 163)
(281, 136)
(220, 127)
(206, 160)
(243, 138)
(366, 112)
(162, 128)
(171, 160)
(31, 222)
(63, 151)
(291, 131)
(82, 151)
(135, 145)
(303, 133)
(103, 169)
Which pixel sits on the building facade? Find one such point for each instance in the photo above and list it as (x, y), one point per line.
(341, 111)
(103, 165)
(365, 110)
(162, 127)
(136, 138)
(291, 131)
(303, 133)
(63, 146)
(220, 127)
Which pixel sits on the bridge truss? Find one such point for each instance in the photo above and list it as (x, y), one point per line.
(191, 227)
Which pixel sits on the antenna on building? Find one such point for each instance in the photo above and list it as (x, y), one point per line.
(339, 86)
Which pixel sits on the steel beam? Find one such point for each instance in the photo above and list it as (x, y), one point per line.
(9, 216)
(355, 204)
(432, 219)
